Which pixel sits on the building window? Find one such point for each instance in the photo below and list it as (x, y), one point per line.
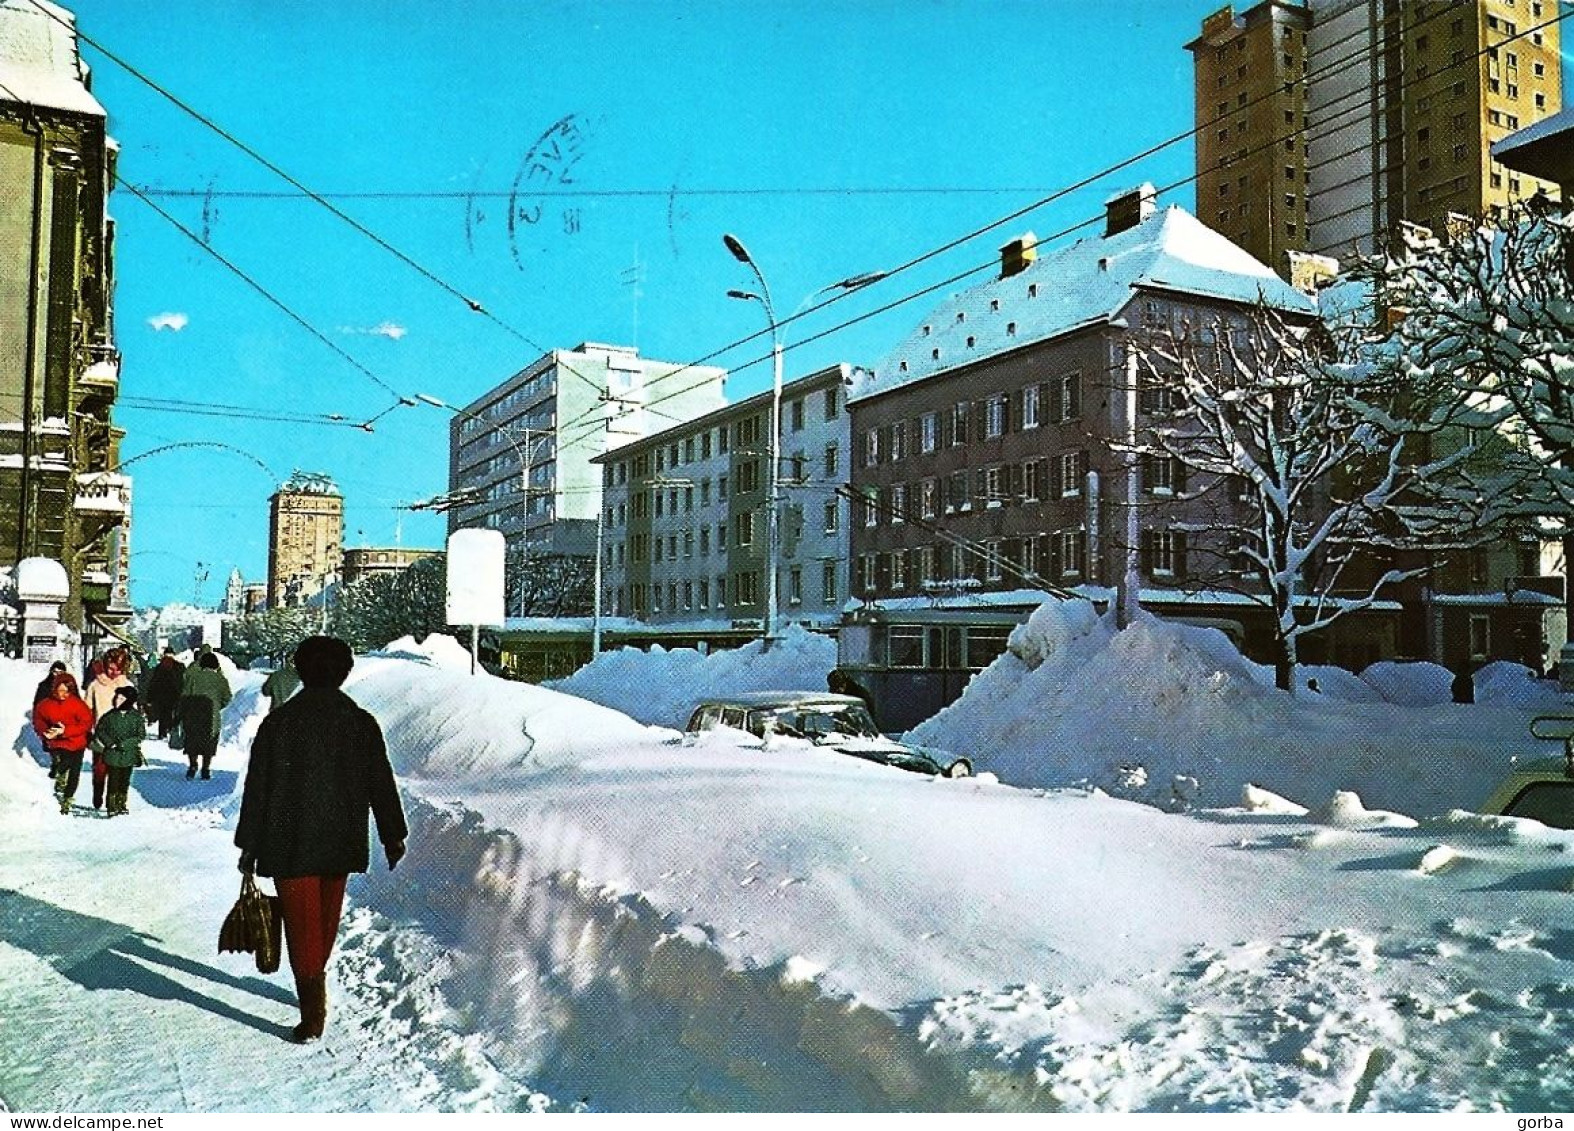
(872, 447)
(704, 540)
(746, 588)
(832, 516)
(866, 571)
(1073, 548)
(928, 491)
(995, 417)
(705, 444)
(957, 498)
(828, 582)
(830, 403)
(704, 594)
(795, 584)
(1163, 553)
(871, 502)
(1032, 481)
(1073, 467)
(797, 415)
(743, 529)
(1480, 637)
(748, 476)
(830, 461)
(928, 431)
(721, 440)
(993, 490)
(898, 567)
(898, 440)
(992, 560)
(1160, 474)
(959, 414)
(721, 592)
(1070, 397)
(898, 504)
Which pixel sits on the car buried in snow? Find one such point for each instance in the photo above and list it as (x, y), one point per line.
(1542, 790)
(837, 722)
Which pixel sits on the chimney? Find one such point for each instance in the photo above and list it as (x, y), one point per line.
(1016, 255)
(1130, 208)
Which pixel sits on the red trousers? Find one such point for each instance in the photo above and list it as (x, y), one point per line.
(311, 906)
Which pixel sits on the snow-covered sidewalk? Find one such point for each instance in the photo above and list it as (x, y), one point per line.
(596, 914)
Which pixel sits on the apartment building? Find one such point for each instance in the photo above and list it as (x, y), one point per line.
(521, 455)
(1251, 117)
(60, 496)
(1398, 105)
(685, 538)
(983, 443)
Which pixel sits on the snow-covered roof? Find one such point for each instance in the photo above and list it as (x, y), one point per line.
(1083, 284)
(39, 62)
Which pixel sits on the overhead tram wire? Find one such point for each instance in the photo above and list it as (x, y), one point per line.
(272, 299)
(1170, 187)
(1336, 67)
(279, 172)
(233, 412)
(1339, 65)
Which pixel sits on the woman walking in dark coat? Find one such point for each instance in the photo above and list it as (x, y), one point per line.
(318, 768)
(205, 694)
(163, 692)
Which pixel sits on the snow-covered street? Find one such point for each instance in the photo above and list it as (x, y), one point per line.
(597, 914)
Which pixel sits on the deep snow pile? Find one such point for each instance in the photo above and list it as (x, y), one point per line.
(1172, 714)
(662, 685)
(594, 913)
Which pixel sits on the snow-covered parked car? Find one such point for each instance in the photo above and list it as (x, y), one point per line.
(839, 722)
(1542, 790)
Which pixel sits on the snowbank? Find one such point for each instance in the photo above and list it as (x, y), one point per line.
(661, 686)
(1173, 715)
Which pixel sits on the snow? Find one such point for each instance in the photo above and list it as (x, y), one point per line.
(596, 914)
(1082, 284)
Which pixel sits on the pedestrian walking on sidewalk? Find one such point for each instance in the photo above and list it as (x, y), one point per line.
(117, 739)
(100, 697)
(203, 696)
(65, 723)
(163, 692)
(319, 770)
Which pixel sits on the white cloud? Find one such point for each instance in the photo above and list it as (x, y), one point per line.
(169, 320)
(383, 330)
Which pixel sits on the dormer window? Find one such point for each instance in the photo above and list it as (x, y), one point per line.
(934, 354)
(1032, 290)
(926, 331)
(903, 367)
(961, 316)
(1011, 329)
(994, 305)
(970, 341)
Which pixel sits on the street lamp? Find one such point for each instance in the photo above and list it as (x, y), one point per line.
(522, 453)
(773, 502)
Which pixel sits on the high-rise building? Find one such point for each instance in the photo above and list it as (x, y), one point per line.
(59, 369)
(1366, 114)
(305, 538)
(1251, 111)
(553, 417)
(1404, 130)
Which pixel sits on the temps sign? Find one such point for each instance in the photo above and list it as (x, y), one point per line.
(475, 578)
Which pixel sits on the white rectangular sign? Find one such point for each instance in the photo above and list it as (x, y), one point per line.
(475, 577)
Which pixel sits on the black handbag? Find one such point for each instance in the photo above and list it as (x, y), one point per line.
(254, 925)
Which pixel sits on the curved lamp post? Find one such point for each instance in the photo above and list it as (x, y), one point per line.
(773, 500)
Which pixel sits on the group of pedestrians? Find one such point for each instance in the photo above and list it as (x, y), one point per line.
(318, 776)
(104, 718)
(105, 714)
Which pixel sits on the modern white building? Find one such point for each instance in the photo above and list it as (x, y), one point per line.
(553, 418)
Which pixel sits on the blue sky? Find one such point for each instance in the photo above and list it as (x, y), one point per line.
(831, 138)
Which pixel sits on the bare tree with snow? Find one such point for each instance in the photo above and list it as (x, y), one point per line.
(1310, 470)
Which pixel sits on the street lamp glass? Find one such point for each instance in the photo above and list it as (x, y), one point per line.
(739, 252)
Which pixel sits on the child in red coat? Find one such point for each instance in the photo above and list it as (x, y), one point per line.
(65, 723)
